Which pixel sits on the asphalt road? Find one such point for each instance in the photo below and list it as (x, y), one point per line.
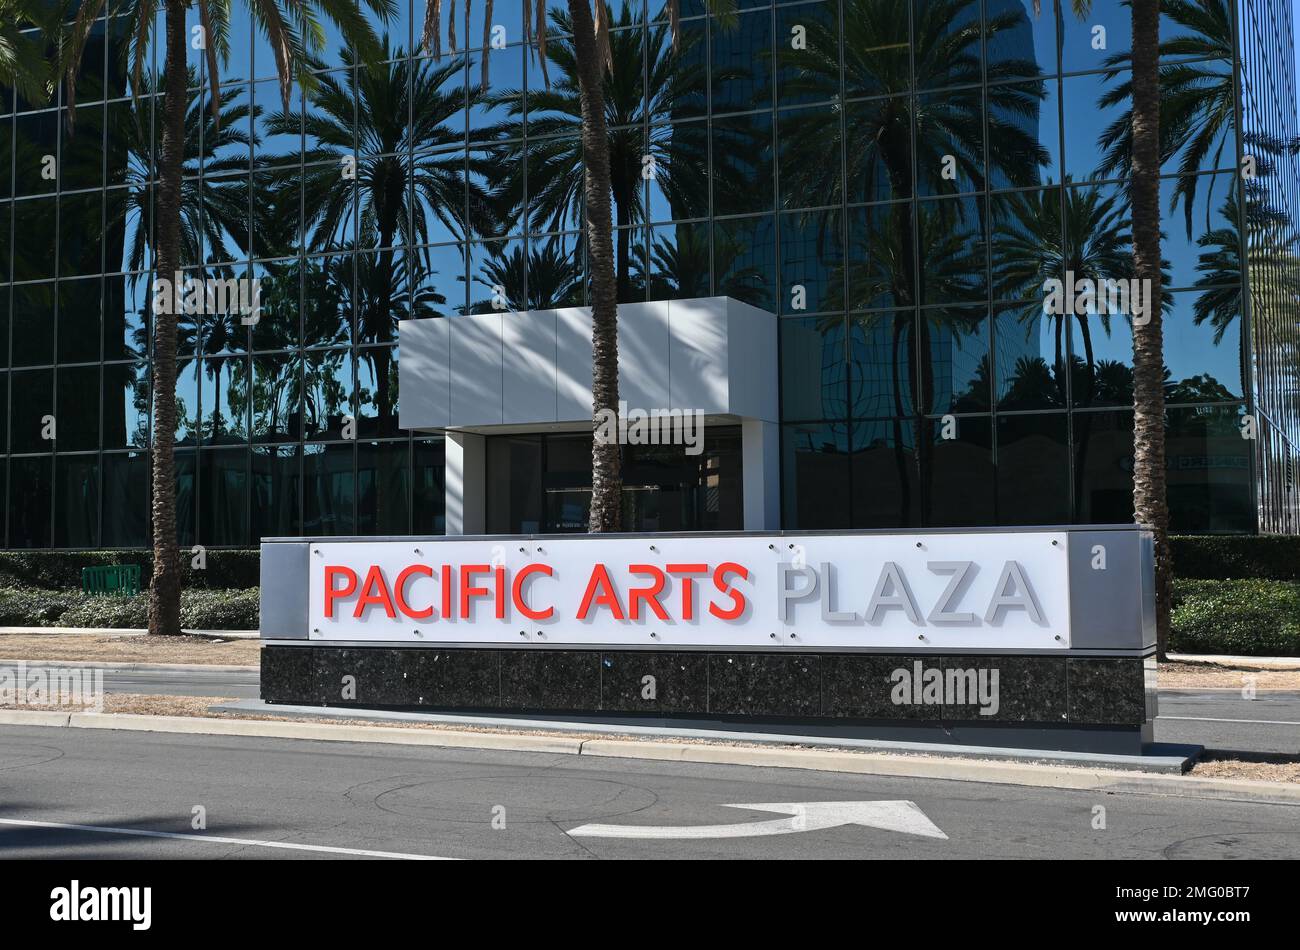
(1214, 719)
(1224, 720)
(263, 797)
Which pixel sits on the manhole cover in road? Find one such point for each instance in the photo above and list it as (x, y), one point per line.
(15, 756)
(1242, 846)
(526, 797)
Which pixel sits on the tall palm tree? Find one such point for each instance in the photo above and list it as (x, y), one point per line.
(593, 59)
(293, 34)
(1150, 502)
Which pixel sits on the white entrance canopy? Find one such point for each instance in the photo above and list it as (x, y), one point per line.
(474, 376)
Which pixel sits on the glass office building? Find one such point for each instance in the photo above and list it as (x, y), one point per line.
(895, 179)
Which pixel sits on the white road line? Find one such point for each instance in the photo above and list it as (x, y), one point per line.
(1253, 722)
(217, 839)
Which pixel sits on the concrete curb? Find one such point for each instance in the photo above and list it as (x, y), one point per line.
(860, 763)
(132, 667)
(126, 632)
(196, 725)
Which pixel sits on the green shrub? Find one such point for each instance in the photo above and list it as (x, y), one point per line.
(1236, 617)
(220, 609)
(55, 570)
(108, 611)
(23, 607)
(200, 609)
(1236, 557)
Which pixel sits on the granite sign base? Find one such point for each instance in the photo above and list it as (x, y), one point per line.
(1075, 703)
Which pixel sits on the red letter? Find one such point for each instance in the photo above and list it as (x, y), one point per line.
(720, 582)
(332, 593)
(400, 591)
(375, 582)
(467, 590)
(446, 592)
(688, 585)
(517, 592)
(649, 594)
(609, 597)
(499, 601)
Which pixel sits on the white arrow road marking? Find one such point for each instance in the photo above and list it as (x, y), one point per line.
(901, 816)
(216, 839)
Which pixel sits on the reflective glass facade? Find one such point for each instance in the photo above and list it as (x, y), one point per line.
(895, 178)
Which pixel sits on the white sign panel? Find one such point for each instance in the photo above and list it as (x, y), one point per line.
(945, 591)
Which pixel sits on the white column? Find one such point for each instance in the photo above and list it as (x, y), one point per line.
(465, 483)
(760, 450)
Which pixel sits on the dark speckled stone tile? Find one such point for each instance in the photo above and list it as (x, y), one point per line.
(1106, 691)
(550, 680)
(764, 684)
(1029, 688)
(680, 682)
(288, 674)
(862, 687)
(378, 673)
(455, 678)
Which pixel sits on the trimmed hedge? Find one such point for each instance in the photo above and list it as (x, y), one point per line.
(1236, 617)
(61, 570)
(200, 609)
(1236, 557)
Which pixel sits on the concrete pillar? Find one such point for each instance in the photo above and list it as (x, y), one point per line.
(760, 450)
(466, 483)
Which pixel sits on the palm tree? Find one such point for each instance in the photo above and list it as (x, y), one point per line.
(548, 276)
(592, 60)
(211, 211)
(385, 215)
(23, 65)
(1150, 502)
(292, 38)
(1197, 99)
(554, 154)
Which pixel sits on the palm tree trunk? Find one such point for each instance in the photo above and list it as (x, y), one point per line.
(606, 474)
(1150, 506)
(165, 585)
